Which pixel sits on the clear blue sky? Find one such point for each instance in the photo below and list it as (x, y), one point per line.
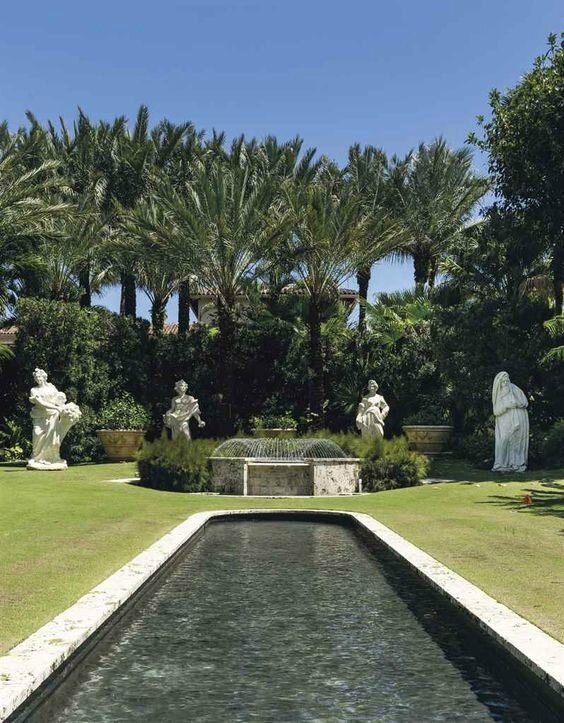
(367, 71)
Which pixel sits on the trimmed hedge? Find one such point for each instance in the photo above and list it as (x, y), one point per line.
(176, 466)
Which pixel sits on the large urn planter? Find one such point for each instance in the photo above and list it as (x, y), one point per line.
(429, 439)
(121, 428)
(120, 445)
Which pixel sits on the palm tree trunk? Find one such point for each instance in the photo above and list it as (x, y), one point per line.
(158, 316)
(85, 288)
(421, 268)
(183, 308)
(128, 301)
(227, 338)
(363, 281)
(558, 280)
(316, 387)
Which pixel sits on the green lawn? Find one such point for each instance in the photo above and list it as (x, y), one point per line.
(62, 533)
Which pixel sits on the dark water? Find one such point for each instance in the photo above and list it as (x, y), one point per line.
(281, 621)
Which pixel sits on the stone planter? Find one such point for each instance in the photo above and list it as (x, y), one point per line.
(287, 433)
(431, 440)
(120, 445)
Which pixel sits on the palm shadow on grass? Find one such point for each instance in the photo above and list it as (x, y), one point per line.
(459, 470)
(546, 501)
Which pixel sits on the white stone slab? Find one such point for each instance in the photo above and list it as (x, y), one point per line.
(29, 664)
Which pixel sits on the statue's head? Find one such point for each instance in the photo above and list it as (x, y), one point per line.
(501, 384)
(40, 375)
(372, 385)
(181, 387)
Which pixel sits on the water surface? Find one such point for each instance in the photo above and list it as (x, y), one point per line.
(282, 621)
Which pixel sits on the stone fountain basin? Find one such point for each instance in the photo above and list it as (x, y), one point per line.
(278, 477)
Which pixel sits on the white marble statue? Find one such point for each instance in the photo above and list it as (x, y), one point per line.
(372, 412)
(511, 425)
(182, 409)
(52, 417)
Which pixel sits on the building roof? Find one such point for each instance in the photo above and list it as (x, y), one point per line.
(8, 335)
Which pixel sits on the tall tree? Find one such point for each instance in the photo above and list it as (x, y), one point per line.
(29, 201)
(366, 173)
(435, 192)
(218, 225)
(524, 139)
(327, 244)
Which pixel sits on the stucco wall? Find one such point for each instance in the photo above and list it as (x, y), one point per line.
(239, 476)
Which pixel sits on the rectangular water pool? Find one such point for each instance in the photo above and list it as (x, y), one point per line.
(263, 620)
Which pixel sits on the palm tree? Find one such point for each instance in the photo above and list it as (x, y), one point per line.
(141, 154)
(327, 225)
(29, 201)
(140, 246)
(366, 174)
(435, 193)
(217, 225)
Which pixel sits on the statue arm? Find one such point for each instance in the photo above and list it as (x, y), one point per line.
(359, 412)
(196, 414)
(38, 400)
(384, 408)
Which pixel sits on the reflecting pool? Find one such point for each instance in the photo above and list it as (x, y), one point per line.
(283, 621)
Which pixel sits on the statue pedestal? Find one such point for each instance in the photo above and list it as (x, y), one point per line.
(46, 466)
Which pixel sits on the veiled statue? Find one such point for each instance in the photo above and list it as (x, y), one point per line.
(182, 409)
(372, 412)
(52, 417)
(511, 425)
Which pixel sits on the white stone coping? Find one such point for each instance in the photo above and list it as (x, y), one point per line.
(29, 664)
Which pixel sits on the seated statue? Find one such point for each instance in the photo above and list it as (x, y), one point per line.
(182, 409)
(52, 417)
(372, 412)
(511, 425)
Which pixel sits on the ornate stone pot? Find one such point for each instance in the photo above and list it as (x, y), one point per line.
(120, 445)
(429, 439)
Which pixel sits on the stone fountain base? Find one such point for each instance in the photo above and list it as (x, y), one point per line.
(307, 477)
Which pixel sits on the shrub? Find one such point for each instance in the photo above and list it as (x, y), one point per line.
(274, 421)
(123, 413)
(397, 467)
(176, 465)
(81, 443)
(15, 445)
(478, 447)
(431, 413)
(553, 445)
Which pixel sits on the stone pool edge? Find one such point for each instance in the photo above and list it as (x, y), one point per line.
(31, 663)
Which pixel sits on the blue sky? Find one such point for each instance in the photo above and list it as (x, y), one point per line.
(389, 74)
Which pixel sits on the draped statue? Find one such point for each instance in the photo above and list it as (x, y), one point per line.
(372, 412)
(52, 417)
(182, 409)
(511, 425)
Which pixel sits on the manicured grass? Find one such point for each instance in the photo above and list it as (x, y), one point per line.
(62, 533)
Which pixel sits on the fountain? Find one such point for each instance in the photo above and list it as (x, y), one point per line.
(282, 467)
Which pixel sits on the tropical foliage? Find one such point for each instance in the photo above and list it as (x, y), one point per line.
(271, 231)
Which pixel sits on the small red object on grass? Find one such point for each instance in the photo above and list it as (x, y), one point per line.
(527, 500)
